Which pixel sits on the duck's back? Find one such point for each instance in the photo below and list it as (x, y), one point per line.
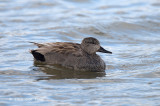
(57, 52)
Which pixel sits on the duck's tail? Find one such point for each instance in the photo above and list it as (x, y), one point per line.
(37, 44)
(38, 56)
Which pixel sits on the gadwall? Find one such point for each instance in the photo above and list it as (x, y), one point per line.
(72, 55)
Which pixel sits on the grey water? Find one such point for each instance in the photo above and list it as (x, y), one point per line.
(128, 28)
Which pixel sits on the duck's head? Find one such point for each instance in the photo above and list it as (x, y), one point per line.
(91, 45)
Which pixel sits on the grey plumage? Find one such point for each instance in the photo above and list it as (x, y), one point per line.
(72, 55)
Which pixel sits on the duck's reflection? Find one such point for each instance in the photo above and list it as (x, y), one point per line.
(58, 72)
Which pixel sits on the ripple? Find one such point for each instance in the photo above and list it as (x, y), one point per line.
(130, 29)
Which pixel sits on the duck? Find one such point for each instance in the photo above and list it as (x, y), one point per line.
(72, 55)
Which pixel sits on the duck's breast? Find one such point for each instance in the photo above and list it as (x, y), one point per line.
(85, 63)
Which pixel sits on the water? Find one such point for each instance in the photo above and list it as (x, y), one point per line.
(128, 28)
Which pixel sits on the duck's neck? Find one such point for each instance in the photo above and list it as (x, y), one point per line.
(89, 55)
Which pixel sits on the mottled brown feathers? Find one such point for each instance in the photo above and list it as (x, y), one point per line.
(60, 47)
(72, 55)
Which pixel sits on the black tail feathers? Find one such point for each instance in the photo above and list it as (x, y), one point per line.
(38, 56)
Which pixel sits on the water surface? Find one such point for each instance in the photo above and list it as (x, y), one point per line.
(130, 29)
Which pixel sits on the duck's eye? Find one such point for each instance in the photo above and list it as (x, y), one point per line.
(91, 42)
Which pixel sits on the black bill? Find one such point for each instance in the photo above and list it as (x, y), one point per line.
(101, 49)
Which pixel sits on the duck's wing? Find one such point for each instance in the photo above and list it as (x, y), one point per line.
(64, 48)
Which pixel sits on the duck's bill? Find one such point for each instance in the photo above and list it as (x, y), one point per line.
(101, 49)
